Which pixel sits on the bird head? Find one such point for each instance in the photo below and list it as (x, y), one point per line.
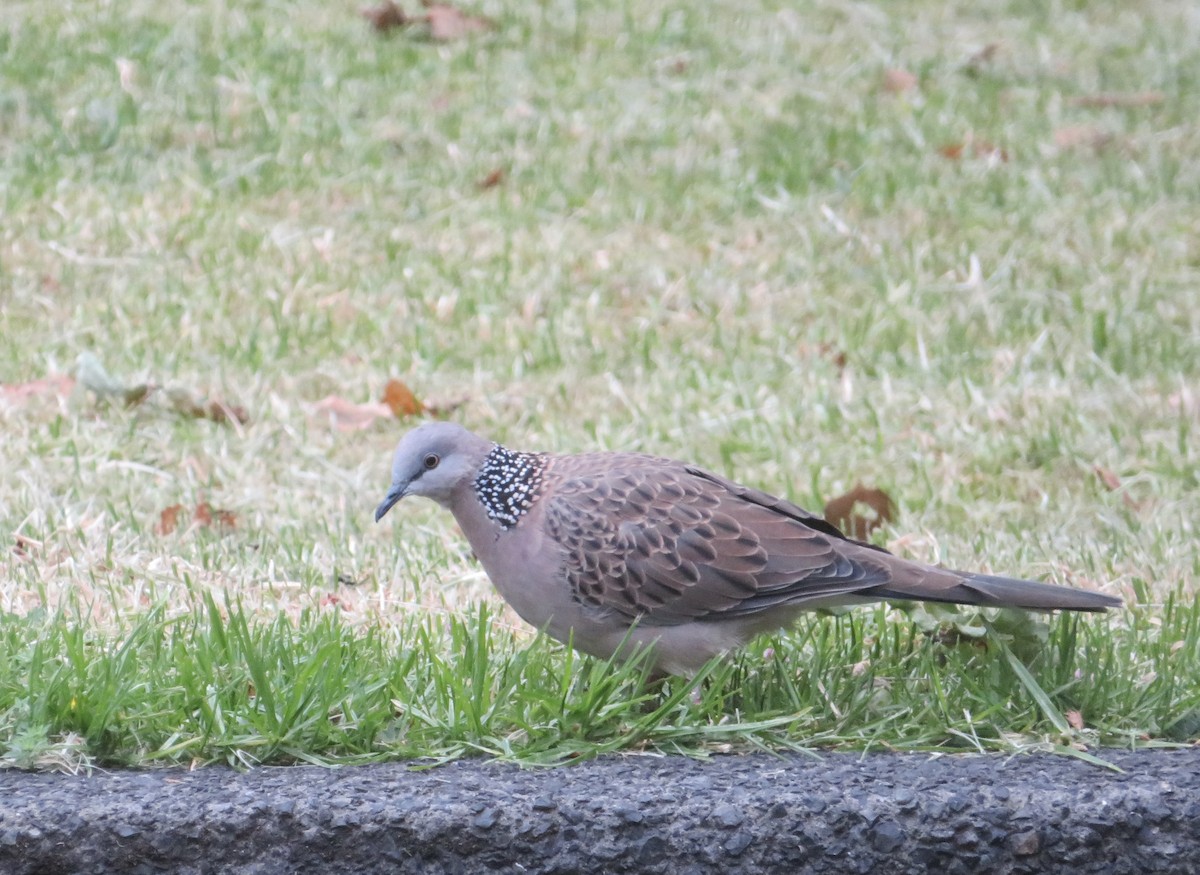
(433, 460)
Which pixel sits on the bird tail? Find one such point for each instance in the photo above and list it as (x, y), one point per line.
(989, 590)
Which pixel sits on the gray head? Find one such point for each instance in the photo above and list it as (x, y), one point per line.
(433, 460)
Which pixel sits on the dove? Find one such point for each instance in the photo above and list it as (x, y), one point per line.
(613, 552)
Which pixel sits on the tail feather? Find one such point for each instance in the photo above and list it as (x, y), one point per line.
(991, 591)
(988, 589)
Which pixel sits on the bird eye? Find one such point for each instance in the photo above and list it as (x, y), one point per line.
(431, 461)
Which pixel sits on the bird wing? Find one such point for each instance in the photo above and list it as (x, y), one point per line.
(667, 544)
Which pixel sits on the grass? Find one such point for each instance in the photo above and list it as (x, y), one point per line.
(718, 237)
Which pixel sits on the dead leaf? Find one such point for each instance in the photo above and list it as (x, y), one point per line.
(1127, 99)
(190, 404)
(897, 81)
(442, 409)
(825, 350)
(204, 516)
(24, 547)
(1110, 480)
(491, 180)
(860, 511)
(348, 416)
(1113, 484)
(447, 23)
(17, 394)
(385, 16)
(169, 519)
(401, 400)
(1074, 719)
(1082, 136)
(973, 148)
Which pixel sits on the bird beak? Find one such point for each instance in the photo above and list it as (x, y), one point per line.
(396, 493)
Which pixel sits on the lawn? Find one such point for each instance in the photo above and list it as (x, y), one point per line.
(948, 250)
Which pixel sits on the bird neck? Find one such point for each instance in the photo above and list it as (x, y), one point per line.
(509, 483)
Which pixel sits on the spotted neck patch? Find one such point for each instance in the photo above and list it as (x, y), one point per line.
(508, 483)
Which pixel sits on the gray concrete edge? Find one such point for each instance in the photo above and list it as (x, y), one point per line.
(894, 813)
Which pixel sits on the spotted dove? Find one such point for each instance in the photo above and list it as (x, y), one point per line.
(606, 549)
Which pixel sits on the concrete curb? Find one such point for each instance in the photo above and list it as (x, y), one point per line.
(889, 813)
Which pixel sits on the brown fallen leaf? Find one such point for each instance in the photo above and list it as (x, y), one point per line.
(442, 409)
(168, 519)
(1110, 480)
(1082, 136)
(447, 23)
(897, 81)
(25, 548)
(1117, 98)
(204, 515)
(401, 400)
(1113, 484)
(190, 404)
(491, 180)
(973, 148)
(825, 350)
(17, 394)
(860, 511)
(348, 416)
(384, 17)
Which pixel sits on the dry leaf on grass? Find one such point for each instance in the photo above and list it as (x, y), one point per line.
(973, 148)
(203, 515)
(1110, 480)
(168, 519)
(189, 403)
(824, 350)
(385, 16)
(492, 180)
(348, 416)
(1113, 484)
(1082, 136)
(401, 400)
(25, 548)
(398, 401)
(1128, 99)
(860, 511)
(897, 81)
(442, 21)
(207, 515)
(19, 394)
(447, 23)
